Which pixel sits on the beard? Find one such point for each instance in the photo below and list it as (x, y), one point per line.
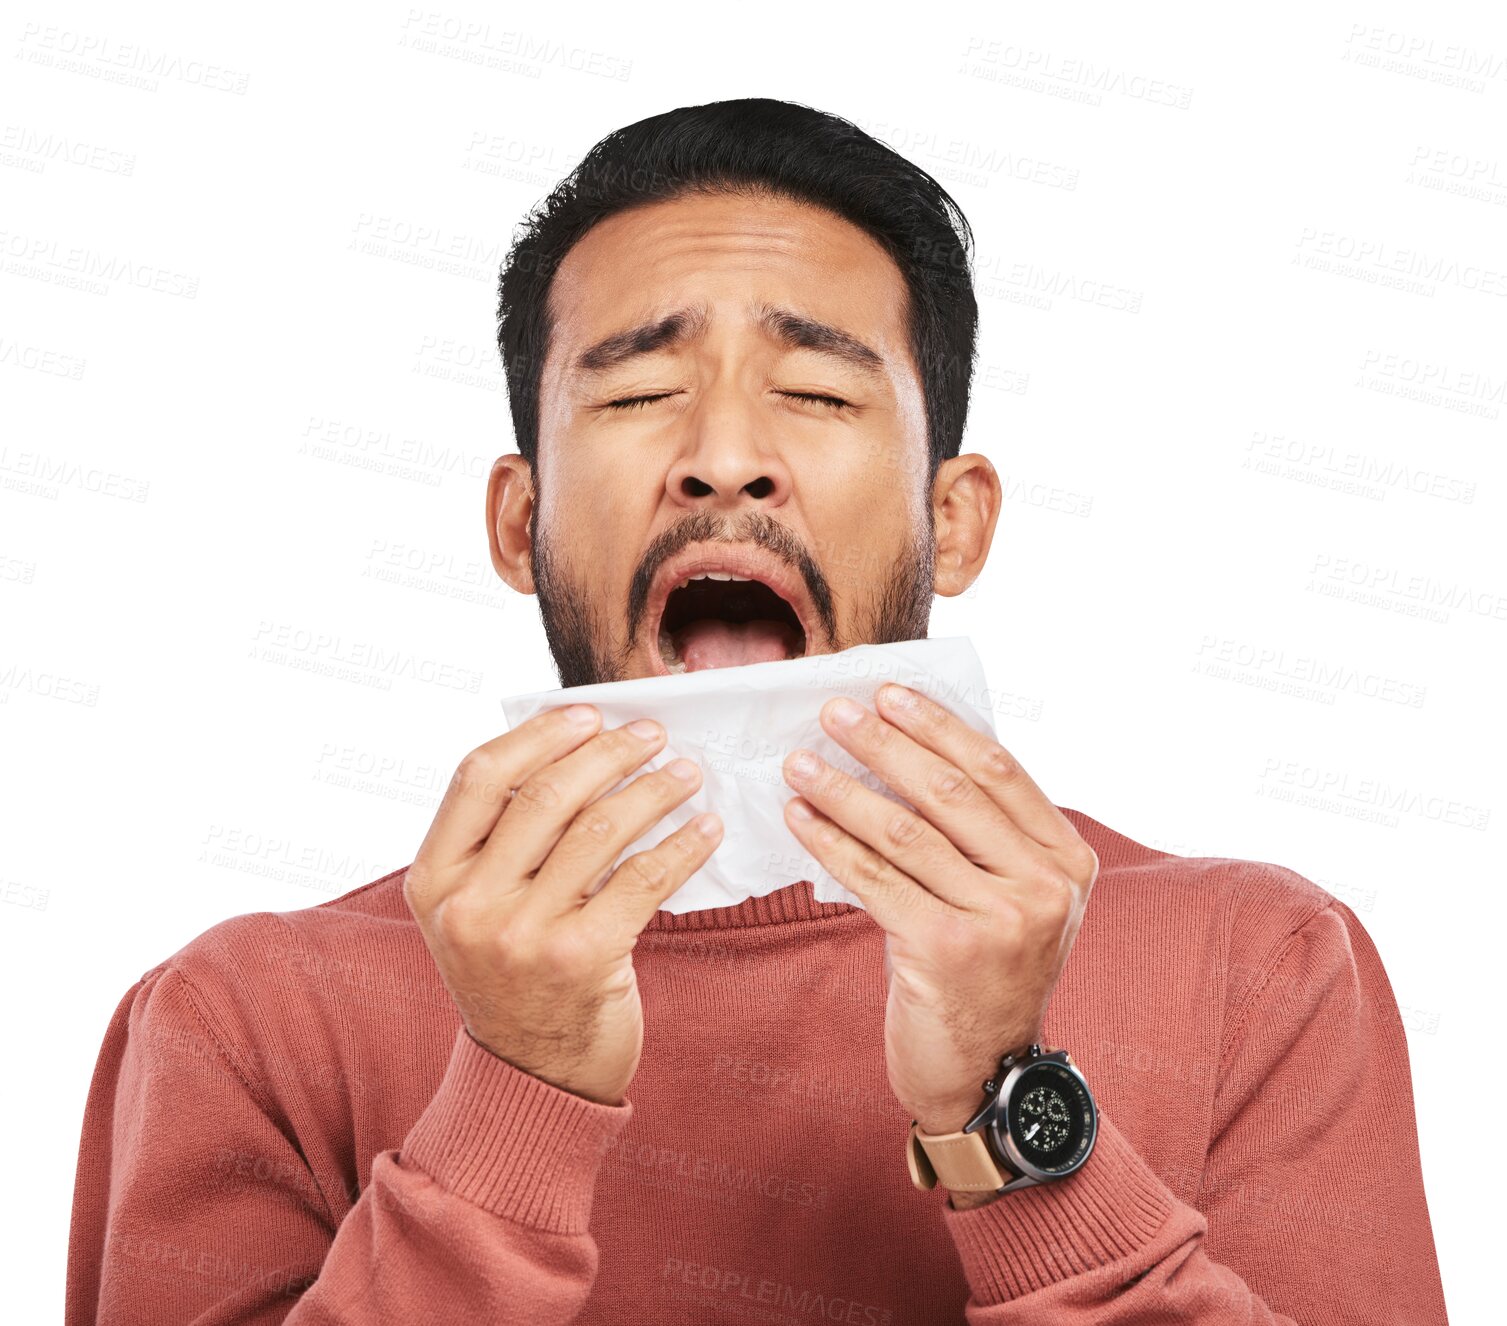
(580, 637)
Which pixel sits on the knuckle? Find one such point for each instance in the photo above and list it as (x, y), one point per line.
(685, 846)
(1086, 862)
(646, 868)
(536, 795)
(595, 825)
(948, 785)
(1010, 919)
(902, 829)
(479, 774)
(475, 764)
(871, 867)
(457, 921)
(829, 833)
(1000, 764)
(1057, 903)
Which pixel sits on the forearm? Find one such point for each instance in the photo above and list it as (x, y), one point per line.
(482, 1214)
(1111, 1245)
(1280, 1195)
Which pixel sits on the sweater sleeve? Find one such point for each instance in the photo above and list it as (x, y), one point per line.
(194, 1203)
(1311, 1207)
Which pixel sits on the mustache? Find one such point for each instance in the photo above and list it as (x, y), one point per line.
(753, 527)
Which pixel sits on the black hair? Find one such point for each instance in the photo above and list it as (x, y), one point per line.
(757, 145)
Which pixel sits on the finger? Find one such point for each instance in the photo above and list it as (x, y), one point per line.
(626, 903)
(481, 785)
(544, 804)
(597, 836)
(888, 894)
(969, 818)
(896, 832)
(983, 759)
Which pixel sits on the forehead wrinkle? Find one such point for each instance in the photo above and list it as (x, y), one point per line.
(793, 330)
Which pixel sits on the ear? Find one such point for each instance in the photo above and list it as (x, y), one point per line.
(965, 503)
(510, 504)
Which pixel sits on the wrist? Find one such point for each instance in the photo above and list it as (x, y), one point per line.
(1037, 1124)
(952, 1115)
(966, 1201)
(935, 1120)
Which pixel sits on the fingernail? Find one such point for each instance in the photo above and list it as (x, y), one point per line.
(683, 769)
(707, 825)
(897, 695)
(800, 809)
(580, 715)
(646, 728)
(846, 712)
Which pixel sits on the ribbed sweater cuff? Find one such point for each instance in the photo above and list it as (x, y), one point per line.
(512, 1143)
(1032, 1238)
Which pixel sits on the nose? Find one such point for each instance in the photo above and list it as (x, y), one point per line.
(728, 460)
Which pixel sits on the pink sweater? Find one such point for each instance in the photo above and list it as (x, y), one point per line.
(288, 1124)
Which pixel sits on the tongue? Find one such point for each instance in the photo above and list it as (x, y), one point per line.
(711, 643)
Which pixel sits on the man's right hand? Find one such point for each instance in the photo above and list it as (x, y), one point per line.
(539, 965)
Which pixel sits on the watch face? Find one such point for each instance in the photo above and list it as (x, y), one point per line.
(1051, 1118)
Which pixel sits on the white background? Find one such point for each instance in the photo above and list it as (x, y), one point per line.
(1242, 368)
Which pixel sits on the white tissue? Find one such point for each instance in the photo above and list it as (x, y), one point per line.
(740, 723)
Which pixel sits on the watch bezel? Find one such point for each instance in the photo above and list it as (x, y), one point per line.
(993, 1120)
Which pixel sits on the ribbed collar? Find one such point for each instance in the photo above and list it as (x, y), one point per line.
(794, 902)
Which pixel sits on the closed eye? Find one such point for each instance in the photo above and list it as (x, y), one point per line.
(637, 402)
(835, 403)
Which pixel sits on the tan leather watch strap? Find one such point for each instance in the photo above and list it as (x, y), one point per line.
(960, 1162)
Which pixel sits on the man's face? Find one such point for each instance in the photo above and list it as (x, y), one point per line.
(729, 389)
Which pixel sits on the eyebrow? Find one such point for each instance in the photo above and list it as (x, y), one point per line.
(790, 329)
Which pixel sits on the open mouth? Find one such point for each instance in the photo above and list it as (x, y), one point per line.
(719, 619)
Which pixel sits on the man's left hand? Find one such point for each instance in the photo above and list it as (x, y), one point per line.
(980, 890)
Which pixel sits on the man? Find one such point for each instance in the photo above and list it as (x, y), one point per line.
(739, 340)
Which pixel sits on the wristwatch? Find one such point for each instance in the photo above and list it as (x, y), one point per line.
(1037, 1125)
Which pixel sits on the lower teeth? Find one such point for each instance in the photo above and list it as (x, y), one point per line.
(667, 652)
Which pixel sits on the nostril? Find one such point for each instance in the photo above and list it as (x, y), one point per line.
(761, 487)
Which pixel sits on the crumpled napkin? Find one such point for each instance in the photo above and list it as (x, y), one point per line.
(740, 723)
